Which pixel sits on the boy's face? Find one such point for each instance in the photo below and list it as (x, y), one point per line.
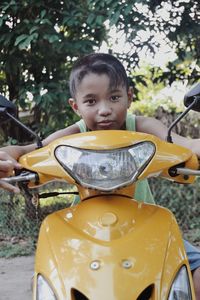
(100, 106)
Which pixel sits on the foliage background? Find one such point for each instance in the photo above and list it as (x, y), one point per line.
(39, 41)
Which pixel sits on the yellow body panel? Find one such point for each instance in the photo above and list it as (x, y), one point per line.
(110, 248)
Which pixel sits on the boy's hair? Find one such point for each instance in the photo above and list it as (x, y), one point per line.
(98, 63)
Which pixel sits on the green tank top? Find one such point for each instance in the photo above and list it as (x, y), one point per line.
(142, 192)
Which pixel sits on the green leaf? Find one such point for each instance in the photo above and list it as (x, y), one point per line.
(33, 29)
(5, 7)
(43, 13)
(115, 18)
(128, 9)
(99, 20)
(24, 40)
(45, 21)
(25, 44)
(20, 38)
(2, 18)
(51, 38)
(91, 19)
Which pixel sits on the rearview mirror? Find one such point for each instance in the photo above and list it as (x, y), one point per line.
(8, 111)
(6, 106)
(193, 94)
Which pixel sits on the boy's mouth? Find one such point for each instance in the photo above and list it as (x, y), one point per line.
(105, 124)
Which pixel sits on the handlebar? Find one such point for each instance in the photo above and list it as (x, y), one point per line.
(24, 177)
(185, 171)
(33, 177)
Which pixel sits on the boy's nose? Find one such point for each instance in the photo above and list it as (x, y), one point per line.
(105, 110)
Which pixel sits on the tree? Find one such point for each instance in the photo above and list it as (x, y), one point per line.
(39, 40)
(177, 21)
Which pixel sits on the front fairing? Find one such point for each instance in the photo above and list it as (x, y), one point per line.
(110, 247)
(43, 161)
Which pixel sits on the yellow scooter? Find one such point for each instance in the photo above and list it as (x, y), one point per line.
(109, 246)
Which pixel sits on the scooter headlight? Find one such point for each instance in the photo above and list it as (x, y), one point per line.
(105, 170)
(180, 288)
(44, 291)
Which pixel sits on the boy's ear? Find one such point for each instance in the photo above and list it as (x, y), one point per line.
(74, 105)
(130, 95)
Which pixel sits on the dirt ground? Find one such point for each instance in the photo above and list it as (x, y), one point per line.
(15, 278)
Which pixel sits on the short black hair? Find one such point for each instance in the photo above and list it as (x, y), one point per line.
(98, 63)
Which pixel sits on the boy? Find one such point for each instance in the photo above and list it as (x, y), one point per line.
(101, 97)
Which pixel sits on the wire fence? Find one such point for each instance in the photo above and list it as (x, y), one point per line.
(21, 215)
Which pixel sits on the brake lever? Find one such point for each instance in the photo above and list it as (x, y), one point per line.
(23, 177)
(186, 171)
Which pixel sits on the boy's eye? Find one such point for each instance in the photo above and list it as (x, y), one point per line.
(114, 98)
(90, 101)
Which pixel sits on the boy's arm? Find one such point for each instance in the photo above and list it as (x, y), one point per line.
(73, 129)
(15, 151)
(9, 155)
(8, 162)
(157, 128)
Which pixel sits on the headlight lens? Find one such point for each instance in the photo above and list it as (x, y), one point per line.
(44, 291)
(105, 170)
(181, 287)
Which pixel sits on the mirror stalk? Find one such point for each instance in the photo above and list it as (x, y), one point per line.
(3, 110)
(169, 137)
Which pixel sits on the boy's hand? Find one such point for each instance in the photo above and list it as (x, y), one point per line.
(7, 166)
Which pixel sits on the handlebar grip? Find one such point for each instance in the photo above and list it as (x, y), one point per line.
(21, 178)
